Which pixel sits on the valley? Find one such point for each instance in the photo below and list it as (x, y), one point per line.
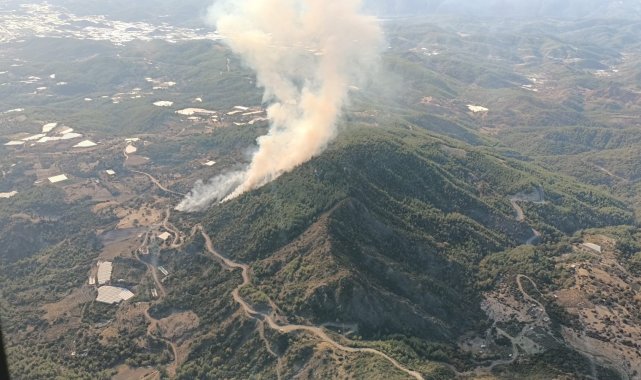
(474, 218)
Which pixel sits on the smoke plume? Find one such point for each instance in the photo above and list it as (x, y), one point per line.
(306, 54)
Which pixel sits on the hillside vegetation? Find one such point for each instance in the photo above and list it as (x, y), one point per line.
(387, 228)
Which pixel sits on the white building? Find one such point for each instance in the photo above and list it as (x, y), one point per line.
(104, 272)
(58, 178)
(9, 194)
(594, 247)
(85, 144)
(112, 294)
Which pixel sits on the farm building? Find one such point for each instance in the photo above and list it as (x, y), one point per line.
(104, 272)
(594, 247)
(112, 294)
(58, 178)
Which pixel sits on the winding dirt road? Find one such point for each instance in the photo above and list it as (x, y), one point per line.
(606, 171)
(536, 236)
(520, 217)
(153, 322)
(252, 313)
(157, 183)
(248, 309)
(178, 241)
(519, 283)
(153, 326)
(513, 339)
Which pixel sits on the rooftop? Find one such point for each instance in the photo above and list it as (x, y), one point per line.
(113, 294)
(85, 144)
(104, 272)
(58, 178)
(8, 195)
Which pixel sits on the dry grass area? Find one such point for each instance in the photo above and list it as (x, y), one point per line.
(126, 372)
(69, 311)
(573, 299)
(68, 304)
(124, 248)
(27, 217)
(136, 160)
(176, 328)
(42, 174)
(144, 216)
(503, 306)
(148, 215)
(90, 189)
(515, 315)
(490, 131)
(103, 206)
(606, 305)
(128, 316)
(125, 195)
(177, 325)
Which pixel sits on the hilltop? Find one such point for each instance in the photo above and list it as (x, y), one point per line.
(384, 248)
(474, 216)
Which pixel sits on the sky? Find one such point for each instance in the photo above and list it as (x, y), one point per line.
(511, 8)
(190, 11)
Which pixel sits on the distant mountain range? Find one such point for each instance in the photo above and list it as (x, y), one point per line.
(193, 11)
(570, 9)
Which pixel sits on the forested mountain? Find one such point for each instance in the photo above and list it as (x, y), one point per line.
(476, 215)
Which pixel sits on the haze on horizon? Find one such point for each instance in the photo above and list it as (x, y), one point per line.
(195, 11)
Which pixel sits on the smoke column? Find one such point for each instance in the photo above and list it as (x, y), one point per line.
(306, 54)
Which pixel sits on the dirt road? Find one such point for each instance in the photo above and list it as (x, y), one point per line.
(246, 307)
(153, 323)
(157, 183)
(178, 241)
(606, 171)
(520, 215)
(319, 332)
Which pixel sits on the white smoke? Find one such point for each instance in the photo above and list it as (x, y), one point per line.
(306, 54)
(217, 188)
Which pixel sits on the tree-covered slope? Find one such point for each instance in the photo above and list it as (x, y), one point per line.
(387, 227)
